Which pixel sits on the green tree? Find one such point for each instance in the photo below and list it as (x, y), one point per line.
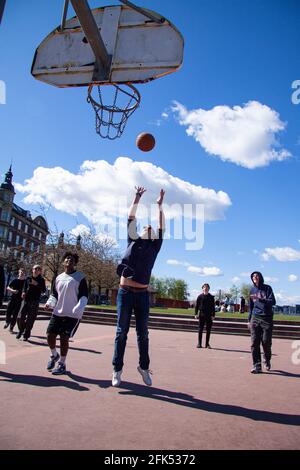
(245, 291)
(234, 293)
(170, 287)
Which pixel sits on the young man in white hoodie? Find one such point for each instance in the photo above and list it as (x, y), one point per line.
(68, 300)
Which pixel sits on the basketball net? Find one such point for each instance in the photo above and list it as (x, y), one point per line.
(111, 119)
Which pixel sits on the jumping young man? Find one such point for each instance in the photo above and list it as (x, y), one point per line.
(205, 305)
(260, 321)
(68, 300)
(15, 288)
(33, 288)
(133, 296)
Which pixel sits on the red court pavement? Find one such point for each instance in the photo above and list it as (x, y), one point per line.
(200, 399)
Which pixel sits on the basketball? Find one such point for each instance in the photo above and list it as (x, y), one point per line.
(145, 142)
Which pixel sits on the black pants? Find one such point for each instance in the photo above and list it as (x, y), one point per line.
(204, 320)
(12, 311)
(27, 317)
(261, 333)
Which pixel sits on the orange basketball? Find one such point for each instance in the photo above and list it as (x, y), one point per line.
(145, 142)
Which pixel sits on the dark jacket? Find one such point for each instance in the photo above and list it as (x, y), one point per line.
(261, 300)
(140, 256)
(205, 305)
(33, 293)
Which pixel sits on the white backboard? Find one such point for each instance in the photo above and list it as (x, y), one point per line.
(141, 50)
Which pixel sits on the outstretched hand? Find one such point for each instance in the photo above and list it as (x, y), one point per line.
(140, 190)
(161, 197)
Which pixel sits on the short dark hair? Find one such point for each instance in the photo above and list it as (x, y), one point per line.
(74, 256)
(205, 285)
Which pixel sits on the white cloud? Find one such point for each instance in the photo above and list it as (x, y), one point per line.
(293, 278)
(81, 230)
(235, 280)
(281, 254)
(85, 231)
(205, 271)
(245, 135)
(101, 190)
(175, 262)
(283, 299)
(271, 279)
(245, 274)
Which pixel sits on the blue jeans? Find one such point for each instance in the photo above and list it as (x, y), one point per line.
(128, 302)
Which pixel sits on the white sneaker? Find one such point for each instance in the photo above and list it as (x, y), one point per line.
(116, 378)
(146, 375)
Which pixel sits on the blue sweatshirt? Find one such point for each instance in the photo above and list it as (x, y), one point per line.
(262, 300)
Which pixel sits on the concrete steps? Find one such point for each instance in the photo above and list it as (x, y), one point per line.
(236, 326)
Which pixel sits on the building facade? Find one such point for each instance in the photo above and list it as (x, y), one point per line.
(22, 238)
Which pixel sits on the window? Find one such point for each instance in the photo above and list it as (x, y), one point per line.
(10, 235)
(22, 256)
(15, 253)
(38, 249)
(26, 228)
(17, 240)
(34, 232)
(32, 246)
(40, 235)
(7, 197)
(3, 231)
(19, 225)
(5, 216)
(12, 222)
(24, 243)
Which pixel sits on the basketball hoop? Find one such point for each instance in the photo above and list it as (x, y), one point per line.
(111, 119)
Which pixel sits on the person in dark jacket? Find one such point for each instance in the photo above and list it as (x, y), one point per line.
(260, 321)
(15, 288)
(205, 305)
(33, 288)
(242, 305)
(133, 296)
(2, 284)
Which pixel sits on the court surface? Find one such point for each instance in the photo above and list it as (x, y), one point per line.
(200, 398)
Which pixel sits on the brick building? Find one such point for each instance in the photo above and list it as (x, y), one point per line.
(22, 238)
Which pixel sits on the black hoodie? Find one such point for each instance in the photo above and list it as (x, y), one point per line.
(261, 300)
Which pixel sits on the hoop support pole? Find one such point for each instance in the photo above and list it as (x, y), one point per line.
(94, 38)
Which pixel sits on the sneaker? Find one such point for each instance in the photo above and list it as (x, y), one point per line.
(116, 378)
(60, 369)
(25, 338)
(6, 325)
(52, 361)
(146, 375)
(256, 370)
(199, 346)
(208, 346)
(19, 335)
(268, 365)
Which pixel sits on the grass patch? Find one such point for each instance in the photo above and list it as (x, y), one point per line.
(190, 311)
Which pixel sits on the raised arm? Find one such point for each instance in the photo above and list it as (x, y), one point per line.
(132, 210)
(161, 215)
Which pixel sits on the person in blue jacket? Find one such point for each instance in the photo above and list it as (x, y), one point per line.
(133, 296)
(260, 321)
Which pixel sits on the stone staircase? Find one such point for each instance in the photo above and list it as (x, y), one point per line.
(172, 322)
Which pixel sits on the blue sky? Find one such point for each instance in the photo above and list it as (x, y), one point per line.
(233, 96)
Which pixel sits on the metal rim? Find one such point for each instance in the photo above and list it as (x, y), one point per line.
(136, 96)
